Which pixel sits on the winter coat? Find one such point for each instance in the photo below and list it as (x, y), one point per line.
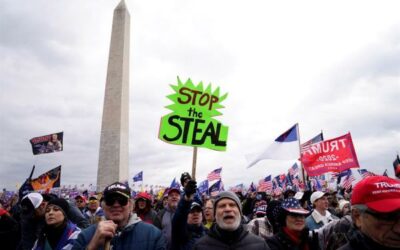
(31, 227)
(135, 235)
(64, 242)
(9, 231)
(240, 239)
(95, 217)
(164, 223)
(260, 227)
(335, 234)
(315, 220)
(183, 235)
(281, 241)
(361, 241)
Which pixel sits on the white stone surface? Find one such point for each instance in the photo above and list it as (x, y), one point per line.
(114, 140)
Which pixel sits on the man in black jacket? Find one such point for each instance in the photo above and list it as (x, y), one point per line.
(228, 232)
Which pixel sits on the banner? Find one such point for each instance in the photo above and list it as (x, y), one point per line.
(192, 122)
(48, 180)
(47, 143)
(335, 155)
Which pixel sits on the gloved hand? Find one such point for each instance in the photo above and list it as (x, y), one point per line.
(190, 188)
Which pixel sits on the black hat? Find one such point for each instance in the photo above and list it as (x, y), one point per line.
(184, 177)
(195, 205)
(117, 188)
(61, 203)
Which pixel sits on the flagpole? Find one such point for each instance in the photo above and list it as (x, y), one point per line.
(301, 163)
(194, 163)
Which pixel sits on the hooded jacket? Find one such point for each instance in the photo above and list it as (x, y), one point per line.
(136, 233)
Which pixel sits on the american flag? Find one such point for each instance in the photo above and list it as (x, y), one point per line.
(294, 170)
(365, 173)
(265, 184)
(252, 188)
(214, 175)
(237, 188)
(305, 146)
(348, 180)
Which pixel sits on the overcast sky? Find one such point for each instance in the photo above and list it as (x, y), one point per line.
(331, 66)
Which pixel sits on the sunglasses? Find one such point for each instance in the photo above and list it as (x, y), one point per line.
(111, 200)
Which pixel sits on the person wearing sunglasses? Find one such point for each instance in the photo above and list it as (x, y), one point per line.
(94, 213)
(376, 214)
(293, 232)
(122, 228)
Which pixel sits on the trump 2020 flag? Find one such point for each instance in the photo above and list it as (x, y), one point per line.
(138, 177)
(285, 147)
(47, 143)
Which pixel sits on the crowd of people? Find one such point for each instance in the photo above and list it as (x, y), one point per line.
(183, 219)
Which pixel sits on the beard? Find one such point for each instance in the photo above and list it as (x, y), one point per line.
(228, 226)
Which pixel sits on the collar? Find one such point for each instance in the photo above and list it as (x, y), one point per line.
(319, 217)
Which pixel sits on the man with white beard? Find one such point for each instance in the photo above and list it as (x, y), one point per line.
(227, 232)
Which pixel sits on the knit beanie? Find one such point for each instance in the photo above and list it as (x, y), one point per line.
(61, 203)
(229, 195)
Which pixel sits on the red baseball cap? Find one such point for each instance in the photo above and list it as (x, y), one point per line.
(379, 193)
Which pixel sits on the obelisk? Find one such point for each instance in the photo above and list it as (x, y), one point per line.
(114, 139)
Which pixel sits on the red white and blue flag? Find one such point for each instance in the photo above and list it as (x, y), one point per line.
(305, 146)
(265, 184)
(365, 173)
(285, 147)
(347, 182)
(252, 188)
(214, 175)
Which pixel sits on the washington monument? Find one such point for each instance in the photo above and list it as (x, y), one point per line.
(114, 139)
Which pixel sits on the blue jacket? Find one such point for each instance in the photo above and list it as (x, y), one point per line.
(136, 235)
(68, 235)
(183, 235)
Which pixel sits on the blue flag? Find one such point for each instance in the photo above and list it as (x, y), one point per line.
(203, 187)
(215, 188)
(138, 177)
(175, 184)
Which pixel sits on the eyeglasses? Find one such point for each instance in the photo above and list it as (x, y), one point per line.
(386, 218)
(79, 201)
(111, 200)
(208, 208)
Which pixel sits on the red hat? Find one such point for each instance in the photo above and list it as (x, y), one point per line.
(173, 190)
(379, 193)
(143, 195)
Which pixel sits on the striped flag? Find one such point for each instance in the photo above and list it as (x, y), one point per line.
(214, 175)
(348, 180)
(237, 188)
(252, 188)
(265, 184)
(293, 170)
(305, 146)
(365, 173)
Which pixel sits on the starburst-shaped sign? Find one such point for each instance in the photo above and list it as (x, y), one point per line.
(191, 122)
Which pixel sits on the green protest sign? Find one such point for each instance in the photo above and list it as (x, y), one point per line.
(191, 122)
